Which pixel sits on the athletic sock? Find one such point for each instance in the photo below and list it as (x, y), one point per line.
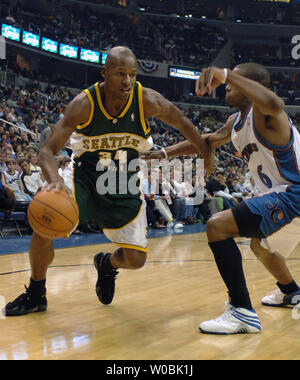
(229, 262)
(288, 289)
(37, 287)
(107, 264)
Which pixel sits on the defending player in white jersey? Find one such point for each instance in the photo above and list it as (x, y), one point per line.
(265, 137)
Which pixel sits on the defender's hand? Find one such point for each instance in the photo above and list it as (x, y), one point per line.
(152, 155)
(210, 78)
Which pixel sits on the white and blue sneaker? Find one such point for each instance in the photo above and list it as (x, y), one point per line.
(279, 299)
(234, 320)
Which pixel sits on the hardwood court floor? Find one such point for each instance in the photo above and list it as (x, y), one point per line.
(155, 314)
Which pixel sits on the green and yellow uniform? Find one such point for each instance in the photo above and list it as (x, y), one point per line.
(103, 148)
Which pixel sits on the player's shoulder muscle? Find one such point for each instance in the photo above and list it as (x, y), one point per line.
(78, 110)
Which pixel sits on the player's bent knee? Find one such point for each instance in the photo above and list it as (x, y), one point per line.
(221, 226)
(40, 241)
(214, 227)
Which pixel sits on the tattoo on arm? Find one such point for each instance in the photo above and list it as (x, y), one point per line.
(223, 135)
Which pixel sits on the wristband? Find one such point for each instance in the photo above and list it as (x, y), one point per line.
(225, 74)
(164, 152)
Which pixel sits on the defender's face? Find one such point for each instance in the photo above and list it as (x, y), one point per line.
(120, 78)
(233, 97)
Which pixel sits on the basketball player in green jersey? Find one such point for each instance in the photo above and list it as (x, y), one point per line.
(107, 126)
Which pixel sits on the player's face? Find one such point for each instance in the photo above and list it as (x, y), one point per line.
(233, 97)
(120, 78)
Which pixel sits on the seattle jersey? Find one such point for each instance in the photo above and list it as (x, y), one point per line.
(274, 168)
(106, 168)
(106, 138)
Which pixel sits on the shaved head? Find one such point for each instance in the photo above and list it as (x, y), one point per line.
(119, 56)
(119, 73)
(256, 72)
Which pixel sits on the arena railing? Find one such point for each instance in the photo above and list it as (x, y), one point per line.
(20, 128)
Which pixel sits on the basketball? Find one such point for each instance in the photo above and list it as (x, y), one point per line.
(53, 214)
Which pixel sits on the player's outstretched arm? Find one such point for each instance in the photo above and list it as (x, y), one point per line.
(214, 140)
(156, 105)
(76, 113)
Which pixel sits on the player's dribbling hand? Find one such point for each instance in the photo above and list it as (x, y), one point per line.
(57, 187)
(210, 78)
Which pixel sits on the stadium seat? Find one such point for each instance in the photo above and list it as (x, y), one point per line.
(14, 218)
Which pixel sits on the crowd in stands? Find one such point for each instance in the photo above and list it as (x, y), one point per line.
(157, 39)
(189, 44)
(251, 11)
(177, 42)
(275, 53)
(79, 25)
(26, 117)
(152, 39)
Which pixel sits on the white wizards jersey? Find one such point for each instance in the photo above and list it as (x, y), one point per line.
(274, 168)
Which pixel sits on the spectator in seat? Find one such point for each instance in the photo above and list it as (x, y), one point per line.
(7, 198)
(252, 189)
(164, 201)
(216, 186)
(240, 186)
(238, 195)
(20, 123)
(33, 162)
(31, 180)
(153, 215)
(45, 134)
(11, 180)
(3, 157)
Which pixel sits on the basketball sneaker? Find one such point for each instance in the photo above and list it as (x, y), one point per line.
(105, 285)
(234, 320)
(26, 303)
(279, 299)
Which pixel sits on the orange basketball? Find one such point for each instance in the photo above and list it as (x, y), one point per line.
(53, 214)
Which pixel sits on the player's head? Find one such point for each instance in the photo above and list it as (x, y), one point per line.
(252, 71)
(119, 72)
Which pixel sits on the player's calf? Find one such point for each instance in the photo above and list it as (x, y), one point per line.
(134, 259)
